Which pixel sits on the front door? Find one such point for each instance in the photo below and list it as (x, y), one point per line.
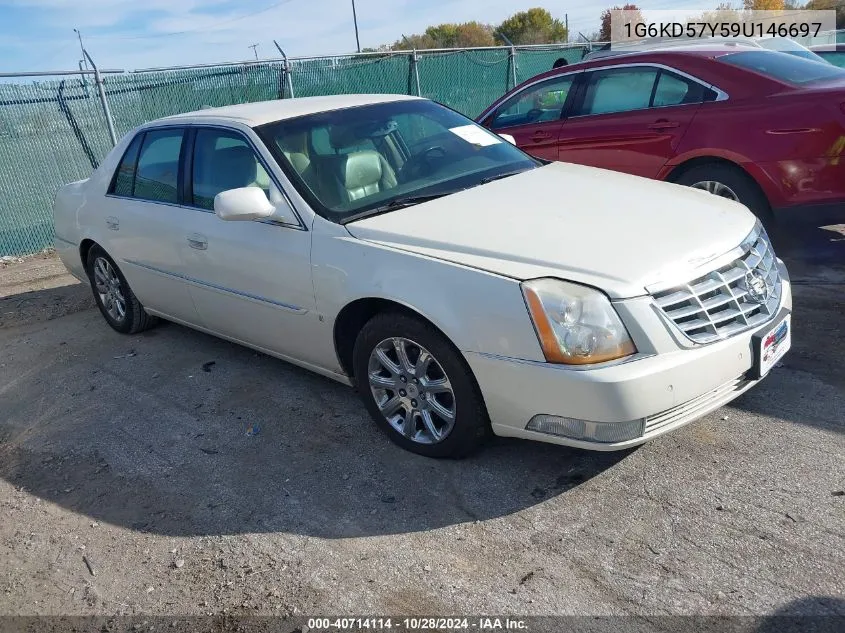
(250, 280)
(534, 116)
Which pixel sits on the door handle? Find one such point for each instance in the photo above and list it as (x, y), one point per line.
(540, 135)
(198, 242)
(113, 223)
(663, 124)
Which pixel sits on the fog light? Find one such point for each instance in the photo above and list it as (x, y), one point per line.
(606, 432)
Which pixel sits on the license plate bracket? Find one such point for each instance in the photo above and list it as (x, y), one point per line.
(771, 344)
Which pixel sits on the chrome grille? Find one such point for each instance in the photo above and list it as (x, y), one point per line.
(729, 299)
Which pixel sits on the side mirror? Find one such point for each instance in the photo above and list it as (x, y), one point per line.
(251, 203)
(508, 138)
(243, 203)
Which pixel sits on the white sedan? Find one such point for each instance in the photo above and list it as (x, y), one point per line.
(463, 287)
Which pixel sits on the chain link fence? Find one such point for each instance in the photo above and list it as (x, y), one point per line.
(54, 130)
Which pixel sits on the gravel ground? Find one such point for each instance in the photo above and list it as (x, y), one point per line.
(172, 473)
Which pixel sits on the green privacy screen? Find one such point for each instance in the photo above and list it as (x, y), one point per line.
(54, 132)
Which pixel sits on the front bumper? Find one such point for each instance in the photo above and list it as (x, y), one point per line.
(669, 386)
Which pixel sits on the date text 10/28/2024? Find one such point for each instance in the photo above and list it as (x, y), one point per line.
(417, 624)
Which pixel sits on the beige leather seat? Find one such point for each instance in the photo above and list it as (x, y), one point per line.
(365, 173)
(299, 160)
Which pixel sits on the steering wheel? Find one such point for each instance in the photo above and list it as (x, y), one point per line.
(420, 164)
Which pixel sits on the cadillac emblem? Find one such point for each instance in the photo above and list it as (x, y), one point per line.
(757, 286)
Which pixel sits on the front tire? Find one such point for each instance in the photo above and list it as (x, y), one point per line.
(728, 182)
(115, 299)
(418, 388)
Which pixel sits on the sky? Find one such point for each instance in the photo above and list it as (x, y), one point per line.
(38, 35)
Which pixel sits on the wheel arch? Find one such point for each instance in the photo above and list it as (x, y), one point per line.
(749, 169)
(85, 248)
(355, 314)
(678, 170)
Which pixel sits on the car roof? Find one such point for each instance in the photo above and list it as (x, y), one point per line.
(631, 57)
(655, 45)
(261, 112)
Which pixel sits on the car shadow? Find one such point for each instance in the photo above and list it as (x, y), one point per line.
(44, 305)
(178, 433)
(814, 614)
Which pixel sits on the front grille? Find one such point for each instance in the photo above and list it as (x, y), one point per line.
(730, 299)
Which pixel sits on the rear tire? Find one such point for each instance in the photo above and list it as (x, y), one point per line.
(729, 182)
(115, 299)
(425, 397)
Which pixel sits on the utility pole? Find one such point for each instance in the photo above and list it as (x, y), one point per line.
(254, 48)
(566, 18)
(355, 20)
(81, 48)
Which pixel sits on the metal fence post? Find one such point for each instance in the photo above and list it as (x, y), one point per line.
(102, 91)
(513, 65)
(286, 69)
(416, 71)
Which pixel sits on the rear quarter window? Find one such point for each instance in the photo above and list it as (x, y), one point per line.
(784, 67)
(123, 181)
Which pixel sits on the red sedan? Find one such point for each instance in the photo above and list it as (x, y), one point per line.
(761, 127)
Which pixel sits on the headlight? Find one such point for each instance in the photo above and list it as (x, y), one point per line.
(576, 324)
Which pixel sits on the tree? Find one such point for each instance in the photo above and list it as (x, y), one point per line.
(724, 13)
(821, 5)
(466, 35)
(605, 34)
(535, 26)
(763, 5)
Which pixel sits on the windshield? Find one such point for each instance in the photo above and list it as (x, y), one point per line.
(382, 156)
(784, 67)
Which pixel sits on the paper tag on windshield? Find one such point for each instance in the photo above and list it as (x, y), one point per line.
(475, 135)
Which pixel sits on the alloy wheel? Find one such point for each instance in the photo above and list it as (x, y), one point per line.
(717, 189)
(108, 288)
(411, 390)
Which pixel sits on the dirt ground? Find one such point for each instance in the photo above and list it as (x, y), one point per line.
(172, 473)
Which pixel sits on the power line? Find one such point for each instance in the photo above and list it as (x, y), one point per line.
(201, 28)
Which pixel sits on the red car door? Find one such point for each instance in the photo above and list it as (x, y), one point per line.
(533, 116)
(630, 119)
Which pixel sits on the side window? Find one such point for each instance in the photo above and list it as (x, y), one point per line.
(674, 90)
(618, 90)
(124, 177)
(222, 161)
(157, 174)
(538, 104)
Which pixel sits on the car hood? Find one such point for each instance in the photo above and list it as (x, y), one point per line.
(613, 231)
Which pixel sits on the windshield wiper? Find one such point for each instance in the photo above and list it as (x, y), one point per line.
(393, 205)
(507, 174)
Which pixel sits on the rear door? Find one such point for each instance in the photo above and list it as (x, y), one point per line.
(534, 115)
(630, 118)
(145, 221)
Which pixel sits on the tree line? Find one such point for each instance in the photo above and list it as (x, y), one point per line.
(534, 26)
